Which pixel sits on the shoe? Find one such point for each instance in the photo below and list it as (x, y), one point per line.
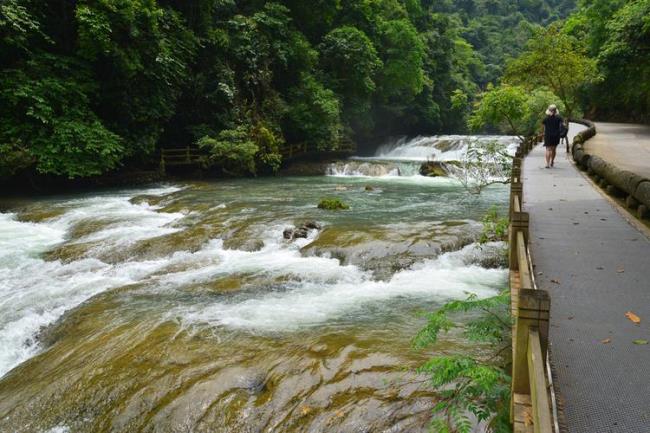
(547, 167)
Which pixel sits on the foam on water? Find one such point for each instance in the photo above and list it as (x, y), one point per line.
(58, 429)
(312, 290)
(326, 290)
(34, 293)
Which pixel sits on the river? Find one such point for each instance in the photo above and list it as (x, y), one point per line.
(182, 307)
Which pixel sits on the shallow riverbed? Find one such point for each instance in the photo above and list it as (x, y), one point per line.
(182, 307)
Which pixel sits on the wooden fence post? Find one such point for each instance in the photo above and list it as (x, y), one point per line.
(519, 222)
(516, 190)
(533, 311)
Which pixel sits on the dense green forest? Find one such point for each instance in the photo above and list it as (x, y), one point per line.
(90, 85)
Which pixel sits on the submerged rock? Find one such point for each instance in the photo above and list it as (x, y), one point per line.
(302, 231)
(390, 248)
(249, 379)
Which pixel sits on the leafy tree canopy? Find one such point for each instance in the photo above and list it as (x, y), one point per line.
(512, 109)
(555, 60)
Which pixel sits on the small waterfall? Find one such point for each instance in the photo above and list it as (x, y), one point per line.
(404, 157)
(437, 147)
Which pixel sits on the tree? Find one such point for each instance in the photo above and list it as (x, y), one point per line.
(402, 54)
(554, 60)
(116, 80)
(314, 115)
(625, 60)
(350, 63)
(233, 151)
(483, 164)
(46, 120)
(512, 109)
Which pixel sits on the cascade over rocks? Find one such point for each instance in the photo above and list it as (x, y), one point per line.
(363, 168)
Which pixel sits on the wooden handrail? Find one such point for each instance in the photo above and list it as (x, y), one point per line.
(524, 266)
(516, 205)
(538, 389)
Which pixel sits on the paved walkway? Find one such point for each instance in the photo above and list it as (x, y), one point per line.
(596, 267)
(626, 145)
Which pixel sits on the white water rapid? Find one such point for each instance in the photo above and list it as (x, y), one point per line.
(34, 292)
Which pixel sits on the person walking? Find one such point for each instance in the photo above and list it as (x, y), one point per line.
(552, 130)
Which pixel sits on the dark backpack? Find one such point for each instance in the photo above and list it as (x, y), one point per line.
(563, 129)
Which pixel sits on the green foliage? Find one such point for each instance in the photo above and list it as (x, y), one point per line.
(13, 159)
(513, 109)
(470, 385)
(244, 150)
(314, 115)
(332, 204)
(624, 59)
(495, 228)
(554, 59)
(46, 120)
(403, 59)
(232, 150)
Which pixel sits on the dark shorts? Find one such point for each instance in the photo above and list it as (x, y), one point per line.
(551, 140)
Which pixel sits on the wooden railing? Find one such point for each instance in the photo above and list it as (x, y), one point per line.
(182, 156)
(531, 403)
(185, 156)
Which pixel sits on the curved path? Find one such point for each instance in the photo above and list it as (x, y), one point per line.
(626, 145)
(596, 267)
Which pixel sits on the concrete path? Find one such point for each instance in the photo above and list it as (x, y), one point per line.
(626, 145)
(596, 267)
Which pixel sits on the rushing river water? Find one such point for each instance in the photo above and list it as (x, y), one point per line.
(182, 308)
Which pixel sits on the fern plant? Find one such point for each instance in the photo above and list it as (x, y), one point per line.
(472, 389)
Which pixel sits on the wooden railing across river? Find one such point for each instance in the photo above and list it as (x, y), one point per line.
(193, 156)
(531, 390)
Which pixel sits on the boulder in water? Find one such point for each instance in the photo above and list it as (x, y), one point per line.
(302, 231)
(434, 169)
(312, 225)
